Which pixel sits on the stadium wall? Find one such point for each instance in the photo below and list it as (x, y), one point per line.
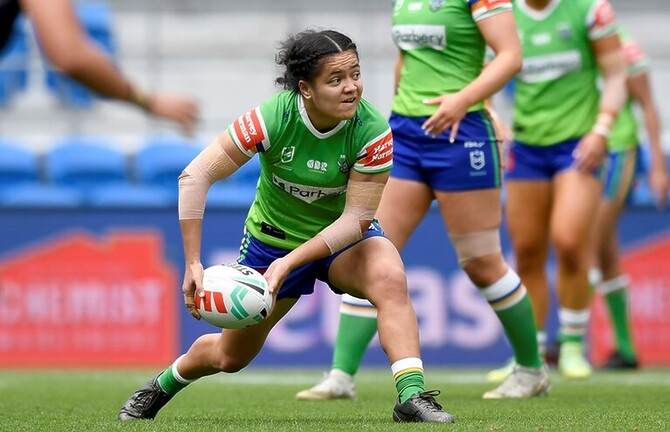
(102, 288)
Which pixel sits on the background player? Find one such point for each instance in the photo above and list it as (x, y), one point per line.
(446, 148)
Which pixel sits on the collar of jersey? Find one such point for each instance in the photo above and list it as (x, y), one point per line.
(536, 14)
(310, 126)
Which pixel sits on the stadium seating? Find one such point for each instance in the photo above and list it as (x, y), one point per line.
(129, 196)
(41, 196)
(85, 163)
(14, 60)
(160, 161)
(96, 20)
(18, 165)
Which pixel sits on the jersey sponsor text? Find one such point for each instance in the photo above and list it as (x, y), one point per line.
(306, 193)
(409, 36)
(249, 130)
(551, 66)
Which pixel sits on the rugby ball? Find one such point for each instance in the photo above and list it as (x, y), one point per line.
(236, 296)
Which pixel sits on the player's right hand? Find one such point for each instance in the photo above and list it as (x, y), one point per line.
(192, 286)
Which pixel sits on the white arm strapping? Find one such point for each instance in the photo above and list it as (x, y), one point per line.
(212, 164)
(362, 202)
(614, 93)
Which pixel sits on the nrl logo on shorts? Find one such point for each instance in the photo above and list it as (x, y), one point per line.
(436, 4)
(477, 160)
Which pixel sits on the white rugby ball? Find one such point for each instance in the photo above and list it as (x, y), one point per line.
(236, 296)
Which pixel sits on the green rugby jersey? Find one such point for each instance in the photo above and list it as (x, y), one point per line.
(556, 96)
(442, 49)
(624, 132)
(304, 172)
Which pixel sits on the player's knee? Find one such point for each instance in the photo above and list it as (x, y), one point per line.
(569, 251)
(486, 269)
(387, 282)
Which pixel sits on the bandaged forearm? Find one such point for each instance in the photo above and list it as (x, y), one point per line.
(212, 164)
(614, 92)
(362, 202)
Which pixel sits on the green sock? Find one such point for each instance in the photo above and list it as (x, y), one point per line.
(508, 298)
(409, 383)
(519, 325)
(617, 303)
(572, 324)
(169, 383)
(354, 334)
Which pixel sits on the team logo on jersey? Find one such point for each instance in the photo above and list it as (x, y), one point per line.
(343, 165)
(287, 154)
(477, 160)
(564, 30)
(306, 193)
(436, 4)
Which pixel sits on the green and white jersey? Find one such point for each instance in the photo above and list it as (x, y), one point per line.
(442, 49)
(556, 95)
(624, 132)
(304, 172)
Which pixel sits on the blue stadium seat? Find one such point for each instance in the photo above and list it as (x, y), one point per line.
(96, 18)
(18, 164)
(14, 61)
(41, 196)
(86, 163)
(160, 161)
(131, 196)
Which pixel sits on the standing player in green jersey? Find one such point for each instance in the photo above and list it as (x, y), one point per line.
(606, 273)
(561, 122)
(325, 155)
(445, 148)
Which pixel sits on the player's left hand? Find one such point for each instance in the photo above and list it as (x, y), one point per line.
(452, 108)
(589, 152)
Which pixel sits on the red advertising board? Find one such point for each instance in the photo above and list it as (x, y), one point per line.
(648, 267)
(81, 300)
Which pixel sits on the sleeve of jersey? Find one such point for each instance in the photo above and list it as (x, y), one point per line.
(482, 9)
(377, 155)
(601, 20)
(636, 60)
(249, 132)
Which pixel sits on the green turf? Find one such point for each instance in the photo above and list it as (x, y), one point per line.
(262, 400)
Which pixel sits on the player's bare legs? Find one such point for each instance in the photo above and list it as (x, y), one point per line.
(373, 269)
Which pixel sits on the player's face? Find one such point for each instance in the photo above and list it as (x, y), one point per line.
(334, 93)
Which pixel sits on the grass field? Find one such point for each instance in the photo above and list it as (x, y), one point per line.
(262, 400)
